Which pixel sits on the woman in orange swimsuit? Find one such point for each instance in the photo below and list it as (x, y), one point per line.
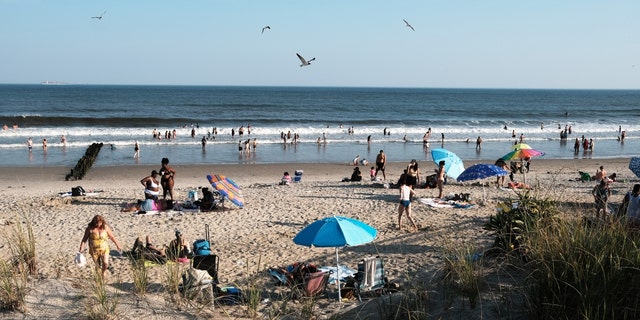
(98, 235)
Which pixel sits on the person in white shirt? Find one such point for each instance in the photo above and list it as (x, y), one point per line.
(633, 207)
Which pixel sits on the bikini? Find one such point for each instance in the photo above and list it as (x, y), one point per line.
(152, 185)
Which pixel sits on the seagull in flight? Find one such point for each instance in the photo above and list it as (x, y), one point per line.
(304, 62)
(100, 16)
(408, 25)
(265, 27)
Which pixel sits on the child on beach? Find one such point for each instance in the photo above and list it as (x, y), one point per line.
(405, 205)
(372, 173)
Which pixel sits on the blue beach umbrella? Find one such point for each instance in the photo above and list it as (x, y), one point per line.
(336, 232)
(481, 171)
(453, 165)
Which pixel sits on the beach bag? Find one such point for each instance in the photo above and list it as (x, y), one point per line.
(80, 260)
(77, 191)
(201, 247)
(195, 277)
(432, 181)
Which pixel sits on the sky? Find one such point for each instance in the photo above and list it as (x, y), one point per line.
(456, 43)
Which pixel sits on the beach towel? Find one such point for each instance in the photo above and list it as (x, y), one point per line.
(370, 271)
(344, 272)
(436, 203)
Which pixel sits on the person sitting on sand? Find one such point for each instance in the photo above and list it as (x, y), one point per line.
(356, 160)
(372, 173)
(178, 247)
(600, 174)
(151, 186)
(286, 179)
(356, 175)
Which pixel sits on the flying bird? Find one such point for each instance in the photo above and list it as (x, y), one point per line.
(266, 27)
(304, 62)
(408, 25)
(100, 16)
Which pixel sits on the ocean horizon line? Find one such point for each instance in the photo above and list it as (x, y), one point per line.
(64, 83)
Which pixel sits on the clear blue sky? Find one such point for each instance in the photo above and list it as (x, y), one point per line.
(479, 44)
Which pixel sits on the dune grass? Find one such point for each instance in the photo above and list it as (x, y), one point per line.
(13, 287)
(571, 268)
(22, 263)
(22, 244)
(590, 271)
(102, 304)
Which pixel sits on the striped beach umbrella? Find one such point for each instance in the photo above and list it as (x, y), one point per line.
(228, 188)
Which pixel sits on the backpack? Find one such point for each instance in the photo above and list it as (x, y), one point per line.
(77, 191)
(201, 247)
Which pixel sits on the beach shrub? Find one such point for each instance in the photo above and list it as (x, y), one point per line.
(515, 219)
(140, 275)
(103, 304)
(13, 287)
(22, 245)
(253, 290)
(584, 271)
(462, 272)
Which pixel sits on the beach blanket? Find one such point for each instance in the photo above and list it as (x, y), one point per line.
(438, 203)
(86, 194)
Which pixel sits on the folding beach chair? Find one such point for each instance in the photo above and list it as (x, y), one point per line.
(207, 261)
(297, 178)
(370, 277)
(314, 284)
(196, 282)
(211, 200)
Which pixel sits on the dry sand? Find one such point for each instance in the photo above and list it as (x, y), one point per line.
(263, 230)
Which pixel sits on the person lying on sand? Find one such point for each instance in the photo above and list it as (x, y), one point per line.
(518, 185)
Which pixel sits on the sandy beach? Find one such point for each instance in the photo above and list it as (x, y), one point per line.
(262, 231)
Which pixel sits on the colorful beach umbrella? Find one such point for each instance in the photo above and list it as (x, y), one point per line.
(336, 232)
(522, 151)
(519, 154)
(634, 166)
(228, 188)
(453, 165)
(521, 146)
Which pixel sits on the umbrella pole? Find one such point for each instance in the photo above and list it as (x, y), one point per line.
(338, 276)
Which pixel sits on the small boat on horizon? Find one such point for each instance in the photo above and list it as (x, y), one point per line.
(53, 83)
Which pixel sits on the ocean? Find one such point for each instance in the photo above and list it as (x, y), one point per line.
(118, 116)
